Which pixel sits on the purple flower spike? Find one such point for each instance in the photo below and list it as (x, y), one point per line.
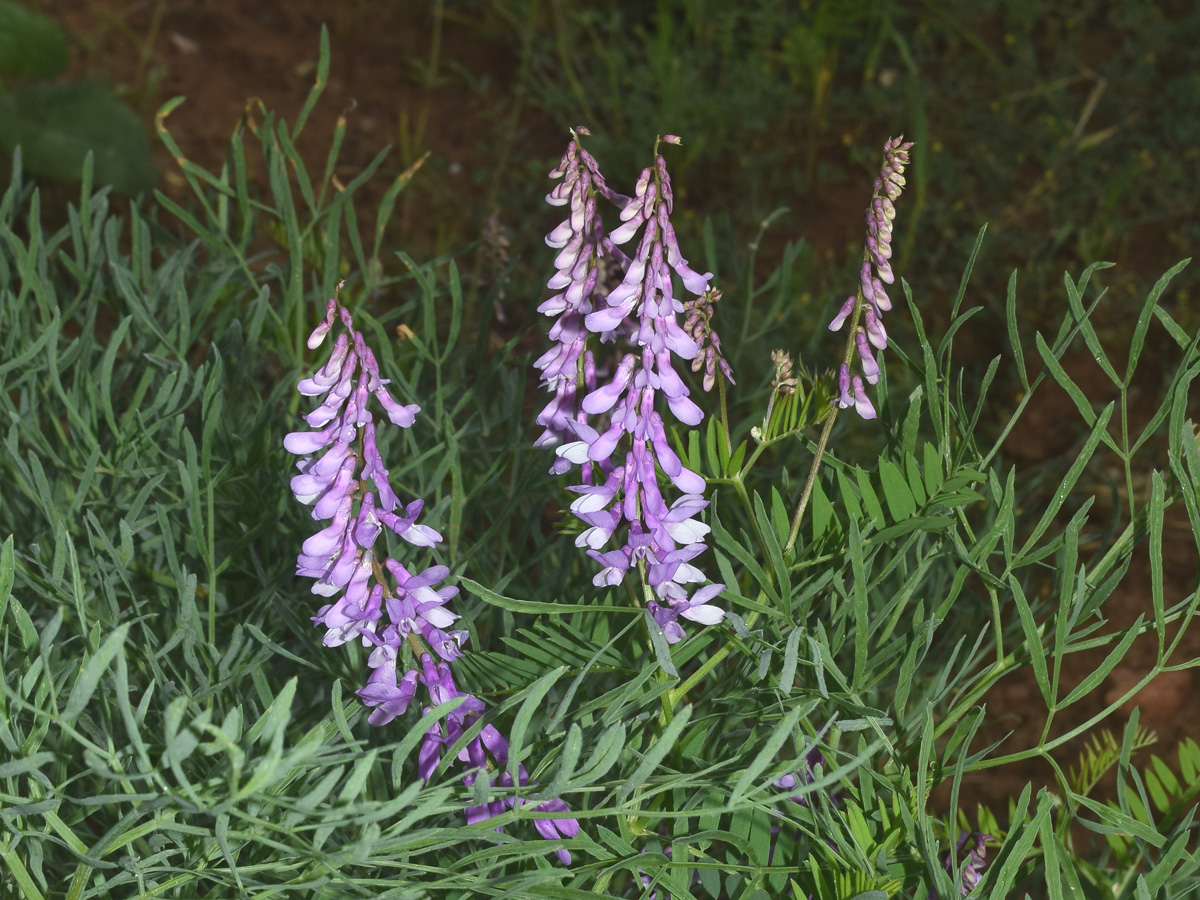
(408, 617)
(631, 302)
(585, 266)
(872, 300)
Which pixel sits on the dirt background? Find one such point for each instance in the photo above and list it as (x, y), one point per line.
(222, 54)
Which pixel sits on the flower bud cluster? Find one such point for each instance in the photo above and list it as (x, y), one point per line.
(621, 460)
(698, 315)
(404, 618)
(865, 309)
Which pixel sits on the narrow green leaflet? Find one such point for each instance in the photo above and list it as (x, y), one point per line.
(657, 752)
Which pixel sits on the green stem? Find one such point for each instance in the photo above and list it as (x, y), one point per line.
(724, 414)
(708, 665)
(810, 482)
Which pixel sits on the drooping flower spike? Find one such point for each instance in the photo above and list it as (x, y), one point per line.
(620, 458)
(865, 309)
(402, 614)
(585, 260)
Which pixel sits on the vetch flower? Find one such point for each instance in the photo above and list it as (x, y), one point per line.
(865, 309)
(402, 613)
(586, 256)
(973, 862)
(621, 460)
(806, 776)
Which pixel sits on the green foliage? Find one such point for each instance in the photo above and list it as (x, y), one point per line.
(171, 725)
(59, 125)
(31, 45)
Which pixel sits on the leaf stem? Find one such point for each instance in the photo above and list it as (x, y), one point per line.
(810, 482)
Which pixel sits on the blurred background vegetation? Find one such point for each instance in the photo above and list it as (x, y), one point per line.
(1072, 129)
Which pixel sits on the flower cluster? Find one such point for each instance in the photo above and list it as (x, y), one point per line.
(865, 308)
(404, 618)
(620, 459)
(584, 264)
(697, 322)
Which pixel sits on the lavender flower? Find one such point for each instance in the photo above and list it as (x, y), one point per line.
(620, 463)
(585, 259)
(806, 776)
(348, 485)
(865, 309)
(975, 860)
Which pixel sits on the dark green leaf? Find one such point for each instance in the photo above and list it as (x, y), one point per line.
(895, 490)
(57, 125)
(31, 46)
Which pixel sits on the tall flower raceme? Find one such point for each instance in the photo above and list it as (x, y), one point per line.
(865, 308)
(622, 457)
(401, 614)
(586, 261)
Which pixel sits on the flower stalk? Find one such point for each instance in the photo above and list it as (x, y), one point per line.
(864, 310)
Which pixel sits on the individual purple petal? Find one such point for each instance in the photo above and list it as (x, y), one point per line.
(431, 752)
(843, 314)
(866, 359)
(367, 527)
(318, 334)
(672, 385)
(676, 339)
(603, 399)
(302, 443)
(864, 280)
(862, 405)
(309, 486)
(685, 410)
(875, 330)
(607, 319)
(602, 448)
(331, 372)
(328, 539)
(328, 505)
(374, 470)
(882, 301)
(560, 235)
(845, 399)
(402, 416)
(603, 523)
(704, 614)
